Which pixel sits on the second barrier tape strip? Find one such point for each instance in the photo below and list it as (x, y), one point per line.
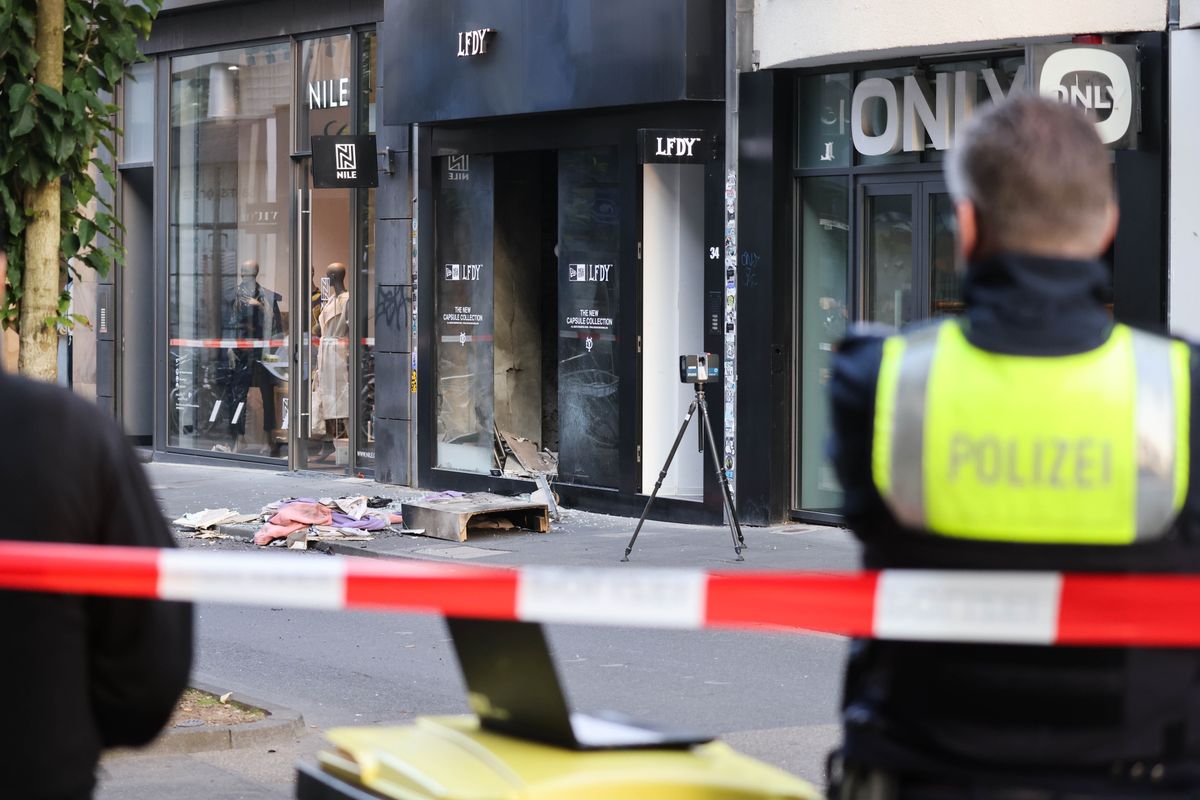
(925, 605)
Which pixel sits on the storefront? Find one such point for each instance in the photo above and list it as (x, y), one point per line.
(842, 193)
(248, 300)
(569, 179)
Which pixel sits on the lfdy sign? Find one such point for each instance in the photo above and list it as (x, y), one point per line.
(669, 146)
(888, 116)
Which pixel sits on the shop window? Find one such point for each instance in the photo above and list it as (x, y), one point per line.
(465, 405)
(880, 115)
(326, 88)
(824, 314)
(368, 43)
(823, 115)
(365, 210)
(229, 250)
(138, 114)
(527, 248)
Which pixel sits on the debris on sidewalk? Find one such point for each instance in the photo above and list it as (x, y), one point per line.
(526, 461)
(211, 518)
(343, 518)
(207, 534)
(452, 517)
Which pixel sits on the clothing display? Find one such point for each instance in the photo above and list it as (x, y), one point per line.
(331, 375)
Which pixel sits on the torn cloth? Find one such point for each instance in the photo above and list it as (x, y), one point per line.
(305, 511)
(290, 518)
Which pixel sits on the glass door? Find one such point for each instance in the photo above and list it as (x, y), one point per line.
(322, 327)
(907, 253)
(889, 257)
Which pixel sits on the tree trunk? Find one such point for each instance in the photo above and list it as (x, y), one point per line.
(40, 278)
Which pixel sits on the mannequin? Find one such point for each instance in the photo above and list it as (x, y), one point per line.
(331, 379)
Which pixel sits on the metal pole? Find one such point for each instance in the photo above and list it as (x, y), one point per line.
(731, 153)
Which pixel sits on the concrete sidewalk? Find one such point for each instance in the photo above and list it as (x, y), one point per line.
(581, 539)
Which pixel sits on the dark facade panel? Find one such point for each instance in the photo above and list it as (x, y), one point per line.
(394, 400)
(393, 252)
(392, 437)
(393, 199)
(220, 24)
(764, 294)
(1140, 260)
(530, 56)
(393, 319)
(106, 385)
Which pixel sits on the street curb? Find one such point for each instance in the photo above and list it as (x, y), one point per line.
(281, 725)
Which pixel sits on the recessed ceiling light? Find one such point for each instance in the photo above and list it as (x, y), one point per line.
(233, 67)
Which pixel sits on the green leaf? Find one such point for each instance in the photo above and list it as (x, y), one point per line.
(86, 231)
(66, 146)
(51, 94)
(23, 123)
(18, 96)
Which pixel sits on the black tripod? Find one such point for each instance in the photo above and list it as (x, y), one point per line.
(735, 528)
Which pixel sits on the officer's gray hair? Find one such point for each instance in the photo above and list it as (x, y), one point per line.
(1036, 172)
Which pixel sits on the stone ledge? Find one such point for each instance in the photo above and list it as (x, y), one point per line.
(281, 725)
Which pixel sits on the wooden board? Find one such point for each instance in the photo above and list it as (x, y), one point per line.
(449, 518)
(528, 456)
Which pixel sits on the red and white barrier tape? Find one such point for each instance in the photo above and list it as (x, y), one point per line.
(228, 344)
(949, 606)
(250, 344)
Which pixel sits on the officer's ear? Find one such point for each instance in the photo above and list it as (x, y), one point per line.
(1110, 228)
(968, 232)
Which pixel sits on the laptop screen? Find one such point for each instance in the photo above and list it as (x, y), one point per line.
(511, 681)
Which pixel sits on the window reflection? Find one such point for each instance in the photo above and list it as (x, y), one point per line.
(825, 242)
(229, 250)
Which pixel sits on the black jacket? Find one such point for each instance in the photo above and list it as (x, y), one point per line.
(941, 709)
(79, 673)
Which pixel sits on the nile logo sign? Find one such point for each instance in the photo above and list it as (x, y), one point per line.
(346, 161)
(458, 168)
(1096, 80)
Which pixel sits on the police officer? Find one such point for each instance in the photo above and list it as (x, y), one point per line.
(1033, 433)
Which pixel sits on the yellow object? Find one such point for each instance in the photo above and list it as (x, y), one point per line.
(1090, 448)
(452, 758)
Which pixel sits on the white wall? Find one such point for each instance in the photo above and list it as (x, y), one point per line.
(813, 32)
(672, 322)
(1183, 270)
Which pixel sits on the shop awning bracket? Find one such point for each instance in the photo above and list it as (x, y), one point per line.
(390, 164)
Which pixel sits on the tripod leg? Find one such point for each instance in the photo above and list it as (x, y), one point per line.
(735, 527)
(662, 476)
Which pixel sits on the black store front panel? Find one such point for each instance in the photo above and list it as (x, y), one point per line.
(530, 295)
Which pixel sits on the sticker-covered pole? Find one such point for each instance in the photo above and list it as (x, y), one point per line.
(731, 179)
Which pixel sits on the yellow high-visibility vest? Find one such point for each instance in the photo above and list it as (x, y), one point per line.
(1090, 448)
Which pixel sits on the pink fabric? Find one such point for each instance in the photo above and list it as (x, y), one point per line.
(291, 518)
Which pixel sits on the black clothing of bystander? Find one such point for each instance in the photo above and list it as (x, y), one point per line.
(1009, 715)
(81, 673)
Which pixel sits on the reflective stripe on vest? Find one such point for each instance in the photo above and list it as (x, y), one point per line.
(1090, 448)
